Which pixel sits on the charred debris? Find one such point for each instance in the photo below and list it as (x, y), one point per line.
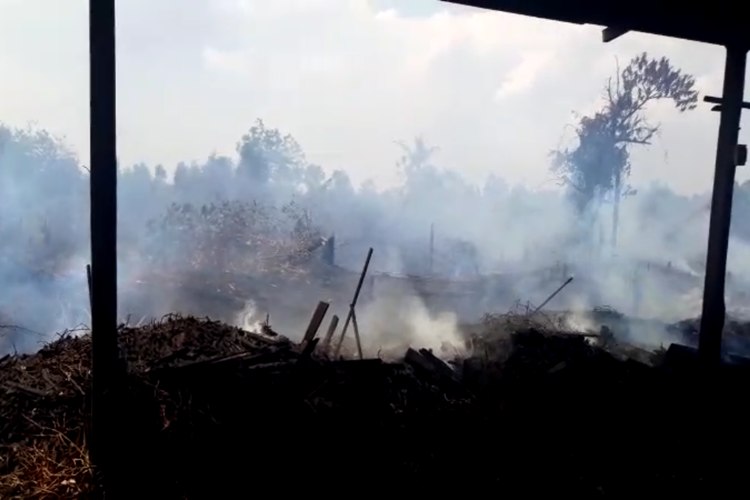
(523, 407)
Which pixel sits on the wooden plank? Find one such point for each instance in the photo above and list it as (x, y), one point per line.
(329, 334)
(315, 322)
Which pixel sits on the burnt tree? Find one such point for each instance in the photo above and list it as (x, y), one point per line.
(599, 165)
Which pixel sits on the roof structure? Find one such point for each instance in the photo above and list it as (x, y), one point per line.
(722, 22)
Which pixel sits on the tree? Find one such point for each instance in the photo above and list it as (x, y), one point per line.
(422, 180)
(415, 164)
(188, 182)
(43, 197)
(267, 155)
(416, 156)
(600, 164)
(218, 175)
(313, 178)
(587, 169)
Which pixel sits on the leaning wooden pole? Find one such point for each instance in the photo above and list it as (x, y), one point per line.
(352, 306)
(103, 185)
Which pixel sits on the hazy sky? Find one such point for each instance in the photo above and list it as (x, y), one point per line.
(347, 78)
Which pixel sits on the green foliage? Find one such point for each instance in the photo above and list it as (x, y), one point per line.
(266, 154)
(587, 169)
(600, 162)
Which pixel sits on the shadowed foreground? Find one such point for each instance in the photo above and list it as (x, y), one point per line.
(216, 412)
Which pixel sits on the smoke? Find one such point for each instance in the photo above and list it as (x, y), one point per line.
(391, 323)
(221, 237)
(249, 318)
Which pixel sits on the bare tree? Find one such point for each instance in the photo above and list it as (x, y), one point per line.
(415, 156)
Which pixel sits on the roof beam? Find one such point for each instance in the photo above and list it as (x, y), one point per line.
(718, 101)
(724, 24)
(611, 33)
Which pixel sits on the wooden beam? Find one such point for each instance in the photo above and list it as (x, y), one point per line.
(612, 33)
(718, 101)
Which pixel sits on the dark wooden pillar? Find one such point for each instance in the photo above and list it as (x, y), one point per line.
(714, 308)
(103, 237)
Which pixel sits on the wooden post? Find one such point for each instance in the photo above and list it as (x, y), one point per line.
(714, 306)
(106, 368)
(330, 332)
(355, 327)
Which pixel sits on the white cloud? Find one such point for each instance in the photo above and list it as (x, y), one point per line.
(238, 61)
(523, 76)
(347, 78)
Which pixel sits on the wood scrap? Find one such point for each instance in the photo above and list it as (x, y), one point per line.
(329, 333)
(26, 389)
(315, 321)
(308, 350)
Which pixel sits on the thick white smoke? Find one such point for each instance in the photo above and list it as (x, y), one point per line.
(476, 230)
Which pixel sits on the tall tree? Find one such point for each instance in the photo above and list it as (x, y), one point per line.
(600, 163)
(267, 155)
(415, 156)
(415, 164)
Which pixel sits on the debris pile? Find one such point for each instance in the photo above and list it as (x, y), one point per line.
(736, 334)
(43, 407)
(175, 341)
(212, 411)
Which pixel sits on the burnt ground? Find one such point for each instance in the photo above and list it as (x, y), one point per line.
(210, 411)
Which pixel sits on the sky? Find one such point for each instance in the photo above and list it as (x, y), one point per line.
(348, 78)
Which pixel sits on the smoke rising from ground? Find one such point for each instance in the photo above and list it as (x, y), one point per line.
(393, 322)
(531, 235)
